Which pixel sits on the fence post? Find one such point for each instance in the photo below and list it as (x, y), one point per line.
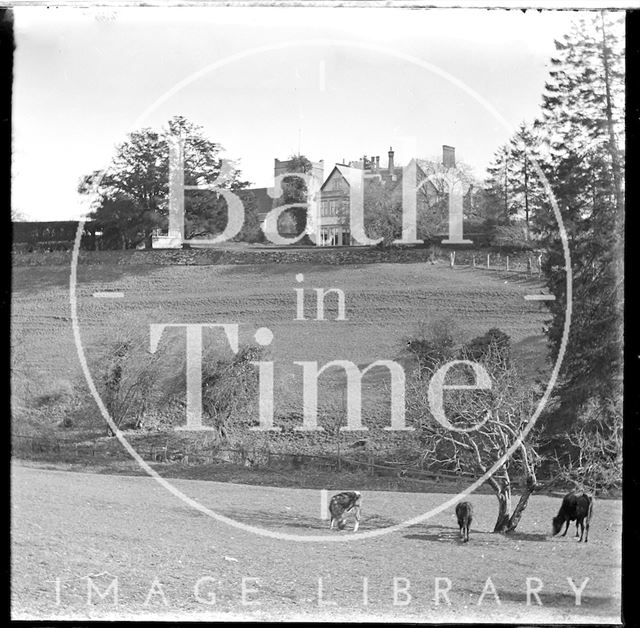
(488, 259)
(529, 265)
(452, 258)
(507, 263)
(474, 261)
(539, 264)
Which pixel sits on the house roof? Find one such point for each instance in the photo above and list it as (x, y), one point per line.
(353, 176)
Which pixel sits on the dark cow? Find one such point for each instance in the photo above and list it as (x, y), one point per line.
(342, 504)
(464, 513)
(576, 507)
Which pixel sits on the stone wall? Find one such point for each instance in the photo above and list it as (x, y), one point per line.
(263, 255)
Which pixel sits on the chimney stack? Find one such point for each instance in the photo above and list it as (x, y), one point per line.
(448, 156)
(377, 162)
(391, 165)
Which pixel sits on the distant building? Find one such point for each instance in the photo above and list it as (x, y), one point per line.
(284, 167)
(55, 235)
(334, 227)
(332, 222)
(286, 222)
(335, 196)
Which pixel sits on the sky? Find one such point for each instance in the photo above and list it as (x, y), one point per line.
(331, 83)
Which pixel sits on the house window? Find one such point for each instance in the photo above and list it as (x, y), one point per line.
(337, 183)
(324, 208)
(346, 237)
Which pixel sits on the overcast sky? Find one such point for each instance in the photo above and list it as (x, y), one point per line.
(407, 78)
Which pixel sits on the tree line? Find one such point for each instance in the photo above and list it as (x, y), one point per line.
(575, 148)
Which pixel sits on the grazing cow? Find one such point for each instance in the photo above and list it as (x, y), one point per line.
(464, 513)
(343, 503)
(576, 507)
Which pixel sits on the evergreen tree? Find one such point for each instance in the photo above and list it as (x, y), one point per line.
(512, 188)
(583, 126)
(526, 189)
(497, 187)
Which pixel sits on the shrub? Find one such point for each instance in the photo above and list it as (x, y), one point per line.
(128, 376)
(432, 344)
(511, 238)
(59, 392)
(229, 389)
(60, 404)
(494, 346)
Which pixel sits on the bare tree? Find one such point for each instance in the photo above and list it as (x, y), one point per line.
(433, 197)
(592, 456)
(487, 424)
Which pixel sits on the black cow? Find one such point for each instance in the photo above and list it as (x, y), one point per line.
(343, 503)
(576, 507)
(464, 513)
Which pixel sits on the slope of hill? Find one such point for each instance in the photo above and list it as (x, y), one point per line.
(384, 304)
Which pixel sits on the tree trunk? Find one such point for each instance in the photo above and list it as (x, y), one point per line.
(613, 147)
(148, 239)
(526, 195)
(522, 504)
(504, 508)
(506, 189)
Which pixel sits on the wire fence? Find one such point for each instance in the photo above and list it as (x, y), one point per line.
(529, 265)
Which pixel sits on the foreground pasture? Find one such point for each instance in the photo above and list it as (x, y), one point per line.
(73, 530)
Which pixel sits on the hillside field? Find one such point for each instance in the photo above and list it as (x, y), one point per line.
(75, 531)
(385, 304)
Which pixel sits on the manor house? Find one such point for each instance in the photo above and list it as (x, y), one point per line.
(335, 193)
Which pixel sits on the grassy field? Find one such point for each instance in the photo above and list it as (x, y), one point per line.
(385, 303)
(69, 529)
